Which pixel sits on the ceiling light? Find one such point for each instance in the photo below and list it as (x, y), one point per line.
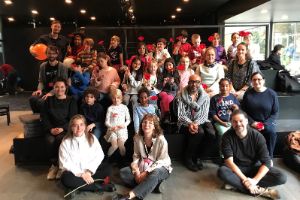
(82, 11)
(264, 11)
(52, 18)
(10, 19)
(93, 18)
(284, 17)
(185, 1)
(8, 2)
(178, 9)
(173, 16)
(68, 1)
(130, 10)
(35, 12)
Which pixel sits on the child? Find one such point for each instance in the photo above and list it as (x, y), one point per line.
(168, 82)
(142, 54)
(115, 53)
(220, 50)
(117, 120)
(150, 80)
(196, 51)
(80, 80)
(231, 52)
(93, 112)
(142, 108)
(221, 107)
(87, 58)
(184, 71)
(132, 81)
(161, 54)
(182, 47)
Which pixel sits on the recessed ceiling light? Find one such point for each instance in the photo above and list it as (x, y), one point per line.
(178, 9)
(284, 17)
(93, 18)
(11, 19)
(68, 1)
(173, 16)
(35, 12)
(52, 18)
(185, 1)
(264, 11)
(8, 2)
(82, 11)
(130, 10)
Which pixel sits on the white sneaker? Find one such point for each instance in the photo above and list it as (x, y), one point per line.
(268, 192)
(52, 172)
(228, 187)
(58, 174)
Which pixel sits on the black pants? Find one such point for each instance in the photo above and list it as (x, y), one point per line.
(194, 140)
(52, 146)
(292, 160)
(69, 180)
(36, 103)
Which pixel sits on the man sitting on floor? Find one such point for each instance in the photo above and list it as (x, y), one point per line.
(247, 161)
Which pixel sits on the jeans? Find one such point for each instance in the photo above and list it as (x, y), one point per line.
(69, 180)
(98, 130)
(148, 185)
(270, 135)
(272, 178)
(105, 100)
(133, 98)
(52, 146)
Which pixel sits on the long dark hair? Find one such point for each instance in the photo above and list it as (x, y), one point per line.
(139, 72)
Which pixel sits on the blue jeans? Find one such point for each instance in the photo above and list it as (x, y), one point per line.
(148, 185)
(272, 178)
(98, 130)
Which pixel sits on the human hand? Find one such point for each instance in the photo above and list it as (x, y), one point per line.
(125, 87)
(141, 177)
(56, 131)
(37, 93)
(234, 107)
(87, 177)
(90, 127)
(47, 95)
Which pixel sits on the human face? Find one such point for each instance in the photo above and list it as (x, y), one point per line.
(56, 28)
(239, 123)
(235, 38)
(169, 66)
(86, 46)
(78, 127)
(153, 68)
(116, 100)
(136, 65)
(60, 89)
(148, 127)
(160, 46)
(216, 42)
(241, 51)
(143, 98)
(142, 50)
(186, 62)
(90, 99)
(102, 62)
(224, 88)
(247, 39)
(51, 55)
(194, 83)
(183, 40)
(114, 43)
(197, 42)
(210, 56)
(258, 82)
(77, 41)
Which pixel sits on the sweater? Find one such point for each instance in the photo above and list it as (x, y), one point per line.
(93, 113)
(103, 79)
(138, 114)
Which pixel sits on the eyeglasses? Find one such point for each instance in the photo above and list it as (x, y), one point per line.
(194, 82)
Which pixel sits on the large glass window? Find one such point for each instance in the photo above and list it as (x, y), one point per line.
(1, 45)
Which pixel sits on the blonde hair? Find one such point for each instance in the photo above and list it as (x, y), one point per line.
(116, 93)
(195, 37)
(88, 41)
(115, 37)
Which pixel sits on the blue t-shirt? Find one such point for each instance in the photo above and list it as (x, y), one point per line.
(221, 106)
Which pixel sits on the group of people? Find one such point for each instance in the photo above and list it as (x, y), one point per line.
(206, 90)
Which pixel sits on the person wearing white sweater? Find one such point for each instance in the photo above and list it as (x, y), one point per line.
(80, 159)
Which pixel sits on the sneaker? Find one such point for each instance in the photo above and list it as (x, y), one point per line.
(120, 197)
(268, 192)
(228, 187)
(58, 174)
(160, 188)
(52, 172)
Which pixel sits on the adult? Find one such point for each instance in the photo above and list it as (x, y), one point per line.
(193, 108)
(240, 71)
(247, 162)
(274, 58)
(49, 71)
(80, 159)
(261, 105)
(55, 39)
(56, 114)
(151, 163)
(211, 72)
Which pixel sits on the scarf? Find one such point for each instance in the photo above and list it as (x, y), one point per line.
(195, 105)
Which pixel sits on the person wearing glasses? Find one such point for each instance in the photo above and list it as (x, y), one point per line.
(193, 108)
(262, 107)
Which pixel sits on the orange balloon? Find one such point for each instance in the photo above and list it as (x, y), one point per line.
(39, 51)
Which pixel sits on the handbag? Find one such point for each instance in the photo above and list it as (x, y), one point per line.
(287, 83)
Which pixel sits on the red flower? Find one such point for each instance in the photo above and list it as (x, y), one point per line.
(181, 67)
(219, 100)
(211, 38)
(101, 42)
(171, 39)
(247, 33)
(150, 47)
(260, 126)
(153, 98)
(179, 37)
(204, 86)
(242, 33)
(71, 35)
(202, 46)
(106, 180)
(147, 76)
(141, 38)
(128, 62)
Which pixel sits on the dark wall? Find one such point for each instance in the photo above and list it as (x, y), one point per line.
(18, 39)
